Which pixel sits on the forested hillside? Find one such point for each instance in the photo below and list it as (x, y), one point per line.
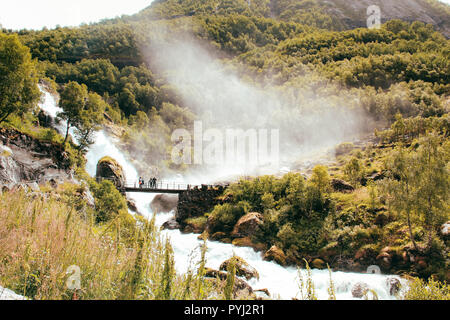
(396, 186)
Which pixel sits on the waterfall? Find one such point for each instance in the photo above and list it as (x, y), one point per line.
(282, 282)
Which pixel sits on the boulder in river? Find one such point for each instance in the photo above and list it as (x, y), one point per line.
(394, 285)
(170, 224)
(247, 225)
(239, 284)
(359, 290)
(275, 254)
(243, 269)
(164, 203)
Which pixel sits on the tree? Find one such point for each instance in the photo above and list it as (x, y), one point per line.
(419, 184)
(73, 99)
(18, 77)
(354, 171)
(321, 179)
(90, 119)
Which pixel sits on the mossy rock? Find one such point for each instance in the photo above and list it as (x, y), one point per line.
(275, 254)
(243, 269)
(108, 168)
(247, 242)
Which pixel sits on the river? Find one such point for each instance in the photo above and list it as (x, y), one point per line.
(281, 282)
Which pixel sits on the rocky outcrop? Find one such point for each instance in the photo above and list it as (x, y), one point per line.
(341, 186)
(243, 269)
(110, 169)
(164, 203)
(275, 254)
(248, 225)
(26, 159)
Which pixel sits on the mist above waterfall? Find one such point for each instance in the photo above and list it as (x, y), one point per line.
(308, 120)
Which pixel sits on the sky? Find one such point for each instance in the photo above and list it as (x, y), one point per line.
(32, 14)
(35, 14)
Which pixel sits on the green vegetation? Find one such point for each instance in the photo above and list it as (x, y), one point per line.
(18, 78)
(120, 256)
(398, 76)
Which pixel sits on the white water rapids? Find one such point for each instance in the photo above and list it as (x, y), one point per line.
(280, 281)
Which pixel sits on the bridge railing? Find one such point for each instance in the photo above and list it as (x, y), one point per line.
(160, 185)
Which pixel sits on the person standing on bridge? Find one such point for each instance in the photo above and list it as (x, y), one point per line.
(154, 182)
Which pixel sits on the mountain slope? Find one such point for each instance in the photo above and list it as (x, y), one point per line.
(333, 15)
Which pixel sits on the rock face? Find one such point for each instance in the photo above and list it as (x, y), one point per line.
(110, 169)
(341, 186)
(26, 159)
(243, 269)
(275, 254)
(164, 203)
(247, 225)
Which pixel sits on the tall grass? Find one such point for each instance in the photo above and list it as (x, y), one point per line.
(43, 234)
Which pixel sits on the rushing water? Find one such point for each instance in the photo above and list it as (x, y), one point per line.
(280, 281)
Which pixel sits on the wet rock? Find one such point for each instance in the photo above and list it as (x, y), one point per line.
(171, 224)
(239, 284)
(164, 203)
(243, 269)
(262, 294)
(131, 204)
(247, 225)
(110, 169)
(318, 264)
(275, 254)
(359, 290)
(394, 285)
(218, 236)
(248, 242)
(341, 186)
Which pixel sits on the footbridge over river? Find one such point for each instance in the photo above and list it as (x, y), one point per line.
(193, 200)
(169, 187)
